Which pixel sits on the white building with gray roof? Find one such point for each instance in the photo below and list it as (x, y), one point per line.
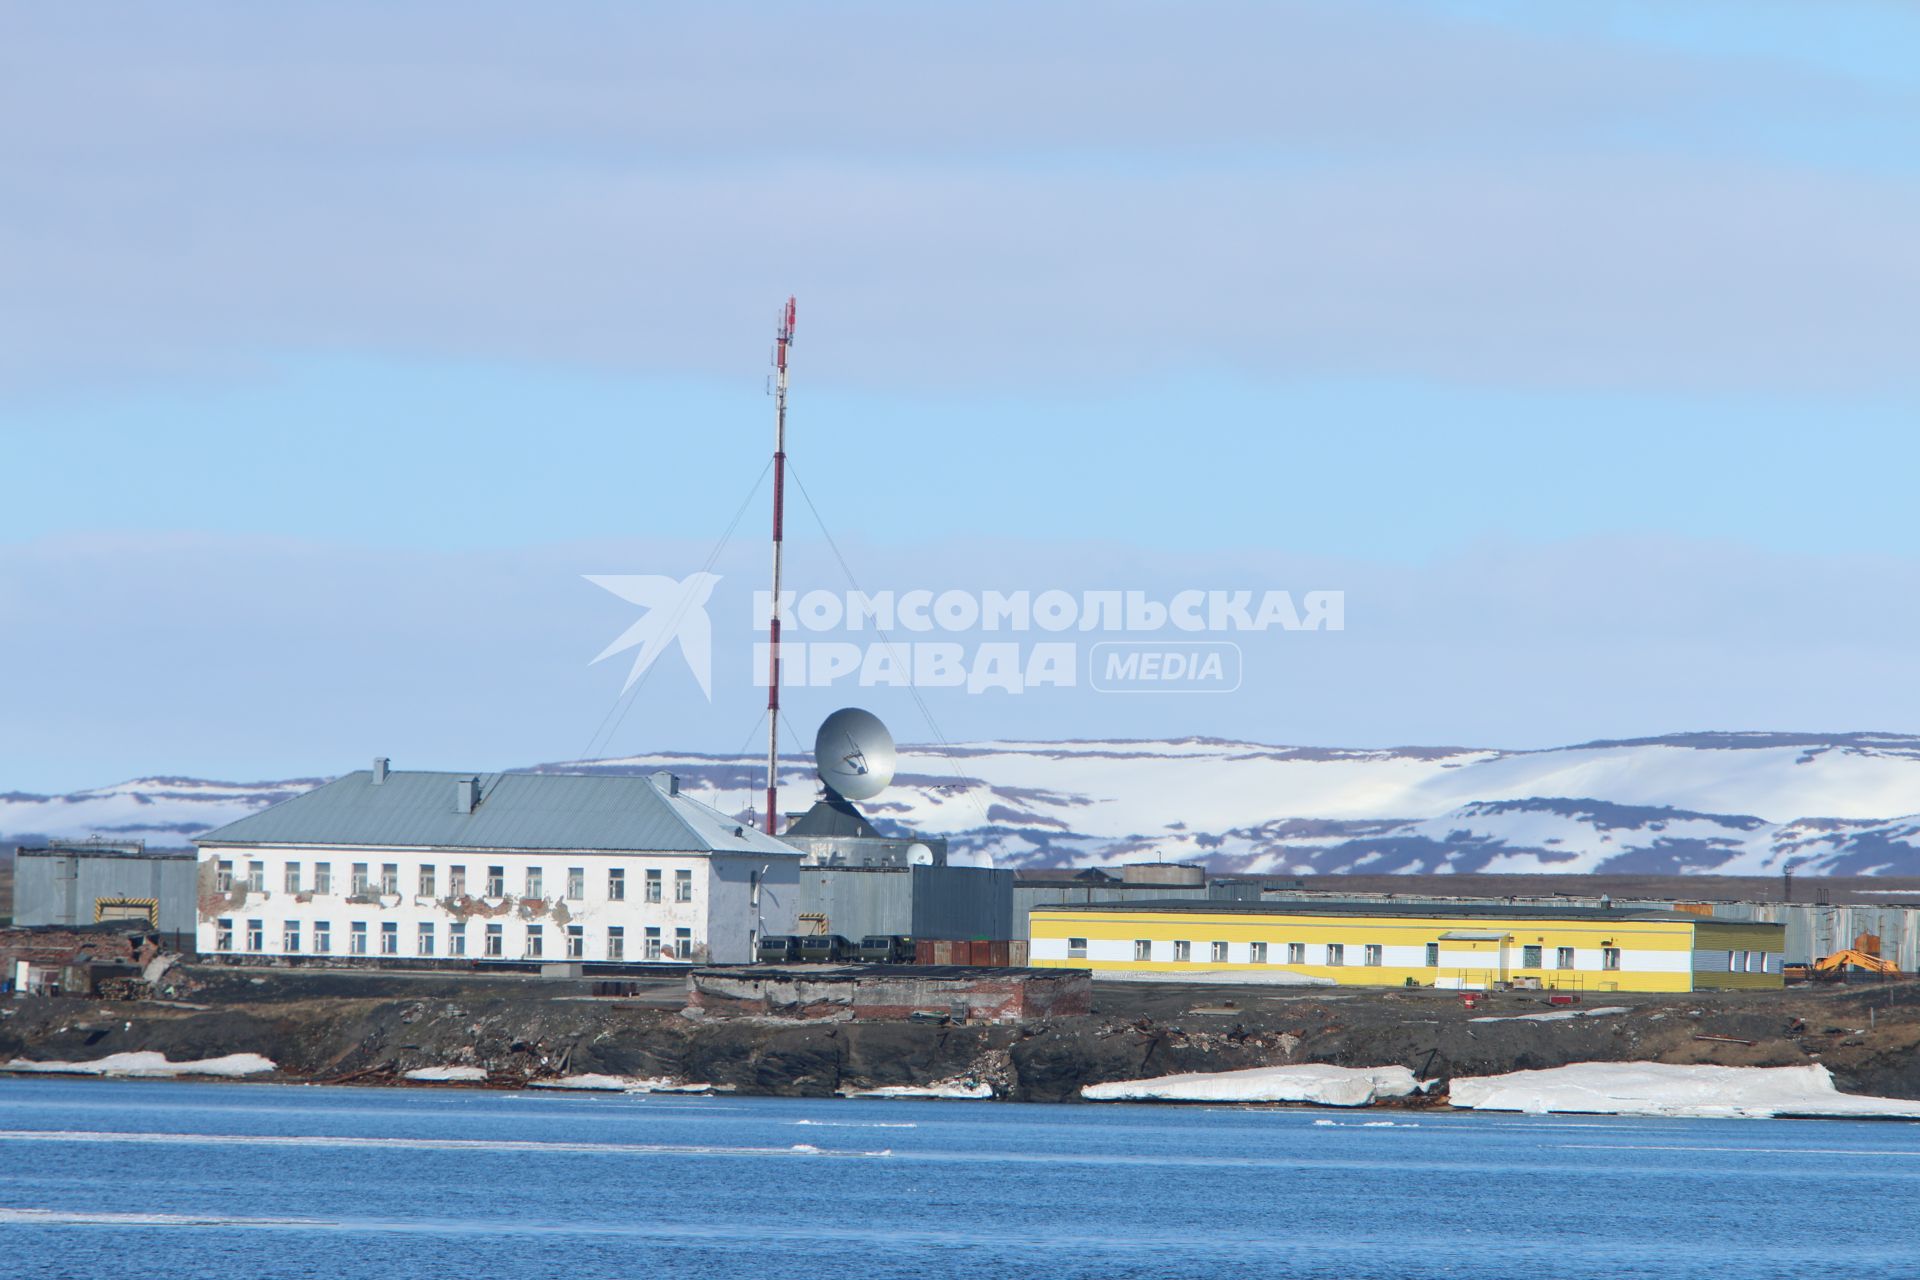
(510, 867)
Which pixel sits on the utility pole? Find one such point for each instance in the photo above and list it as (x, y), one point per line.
(783, 338)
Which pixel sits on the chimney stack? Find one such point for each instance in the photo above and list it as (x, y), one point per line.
(667, 782)
(466, 794)
(379, 770)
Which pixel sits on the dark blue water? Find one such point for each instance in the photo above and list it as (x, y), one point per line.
(201, 1180)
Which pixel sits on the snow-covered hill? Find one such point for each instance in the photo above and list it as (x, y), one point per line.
(1746, 803)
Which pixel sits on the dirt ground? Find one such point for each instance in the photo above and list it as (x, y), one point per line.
(347, 1026)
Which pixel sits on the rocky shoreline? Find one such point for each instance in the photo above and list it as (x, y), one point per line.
(376, 1029)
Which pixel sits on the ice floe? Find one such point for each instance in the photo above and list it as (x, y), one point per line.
(1316, 1084)
(146, 1063)
(1670, 1089)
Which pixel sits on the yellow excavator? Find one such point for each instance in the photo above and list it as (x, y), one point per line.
(1863, 954)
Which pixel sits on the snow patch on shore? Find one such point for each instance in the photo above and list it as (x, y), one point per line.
(593, 1083)
(1668, 1089)
(146, 1063)
(447, 1075)
(1558, 1015)
(958, 1090)
(1309, 1083)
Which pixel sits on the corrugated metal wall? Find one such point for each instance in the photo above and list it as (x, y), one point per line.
(61, 888)
(953, 903)
(1815, 930)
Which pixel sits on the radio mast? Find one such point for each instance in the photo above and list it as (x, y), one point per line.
(783, 338)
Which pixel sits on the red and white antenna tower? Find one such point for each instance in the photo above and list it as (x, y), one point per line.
(783, 338)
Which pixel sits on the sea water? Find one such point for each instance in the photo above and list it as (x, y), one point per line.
(230, 1181)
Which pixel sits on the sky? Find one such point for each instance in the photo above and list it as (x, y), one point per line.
(1572, 345)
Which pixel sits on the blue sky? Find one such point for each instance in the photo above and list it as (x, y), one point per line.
(336, 343)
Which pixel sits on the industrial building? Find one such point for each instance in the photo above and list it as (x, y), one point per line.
(72, 883)
(920, 902)
(835, 834)
(1449, 946)
(1136, 882)
(426, 866)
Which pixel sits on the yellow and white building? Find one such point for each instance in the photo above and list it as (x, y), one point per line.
(1428, 945)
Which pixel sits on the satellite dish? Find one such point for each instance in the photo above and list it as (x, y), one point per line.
(853, 753)
(919, 855)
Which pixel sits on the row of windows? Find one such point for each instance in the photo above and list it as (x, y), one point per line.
(362, 881)
(1335, 954)
(426, 940)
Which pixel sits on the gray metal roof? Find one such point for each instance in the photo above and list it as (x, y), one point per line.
(1422, 911)
(535, 811)
(834, 816)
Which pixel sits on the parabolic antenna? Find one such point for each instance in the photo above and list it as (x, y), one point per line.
(854, 754)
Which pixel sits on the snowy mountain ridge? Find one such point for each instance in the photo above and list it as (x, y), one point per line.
(1725, 803)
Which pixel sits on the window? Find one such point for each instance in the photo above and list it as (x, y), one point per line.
(1530, 957)
(1563, 958)
(496, 882)
(1076, 948)
(223, 876)
(256, 936)
(753, 889)
(426, 882)
(683, 886)
(1256, 953)
(390, 878)
(617, 885)
(1182, 952)
(1746, 962)
(653, 886)
(223, 935)
(322, 936)
(1375, 954)
(323, 877)
(536, 942)
(1336, 953)
(290, 936)
(293, 877)
(1218, 953)
(1610, 958)
(1296, 953)
(257, 877)
(496, 944)
(616, 943)
(390, 938)
(456, 882)
(653, 943)
(357, 937)
(536, 883)
(683, 943)
(576, 942)
(456, 939)
(576, 883)
(1433, 955)
(1143, 949)
(425, 945)
(360, 882)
